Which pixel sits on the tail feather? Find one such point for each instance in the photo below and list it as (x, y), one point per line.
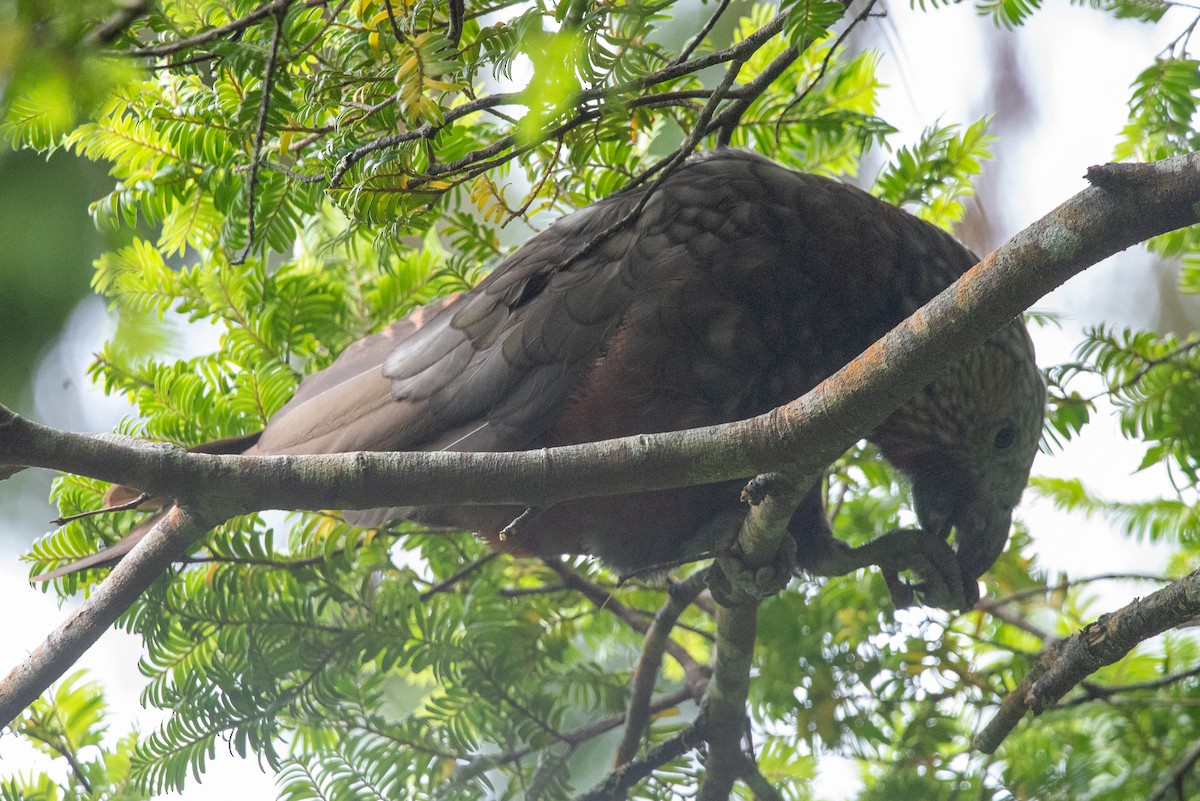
(108, 556)
(365, 356)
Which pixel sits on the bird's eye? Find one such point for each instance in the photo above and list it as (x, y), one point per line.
(1005, 436)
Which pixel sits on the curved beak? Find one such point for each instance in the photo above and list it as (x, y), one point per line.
(947, 499)
(979, 541)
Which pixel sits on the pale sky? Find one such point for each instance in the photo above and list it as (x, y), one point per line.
(1080, 64)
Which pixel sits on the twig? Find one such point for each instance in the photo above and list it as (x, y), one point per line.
(695, 673)
(214, 34)
(862, 15)
(1101, 692)
(664, 168)
(537, 188)
(457, 576)
(454, 25)
(288, 171)
(1067, 662)
(727, 120)
(122, 507)
(637, 718)
(545, 589)
(391, 15)
(1149, 364)
(1032, 592)
(1173, 780)
(752, 777)
(700, 36)
(1180, 43)
(998, 609)
(63, 751)
(576, 737)
(260, 134)
(322, 130)
(199, 58)
(114, 26)
(274, 564)
(629, 774)
(330, 18)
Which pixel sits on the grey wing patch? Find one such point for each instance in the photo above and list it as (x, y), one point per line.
(349, 406)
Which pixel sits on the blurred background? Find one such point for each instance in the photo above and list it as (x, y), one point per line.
(1058, 91)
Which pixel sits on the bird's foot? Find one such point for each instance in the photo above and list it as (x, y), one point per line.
(733, 582)
(914, 550)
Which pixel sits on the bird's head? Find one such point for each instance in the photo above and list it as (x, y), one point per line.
(967, 443)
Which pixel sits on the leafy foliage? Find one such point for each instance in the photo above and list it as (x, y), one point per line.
(391, 148)
(68, 724)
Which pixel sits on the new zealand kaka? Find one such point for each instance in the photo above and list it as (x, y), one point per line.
(740, 286)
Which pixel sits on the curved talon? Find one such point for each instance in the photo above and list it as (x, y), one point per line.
(758, 488)
(722, 588)
(941, 581)
(933, 560)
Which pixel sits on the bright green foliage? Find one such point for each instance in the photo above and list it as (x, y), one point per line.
(1151, 380)
(392, 152)
(936, 173)
(1012, 14)
(68, 725)
(1161, 110)
(824, 132)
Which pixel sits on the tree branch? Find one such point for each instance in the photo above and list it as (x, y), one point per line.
(802, 436)
(458, 576)
(214, 34)
(722, 718)
(124, 16)
(658, 636)
(1173, 780)
(1000, 610)
(1068, 662)
(167, 543)
(629, 774)
(1101, 692)
(696, 673)
(574, 737)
